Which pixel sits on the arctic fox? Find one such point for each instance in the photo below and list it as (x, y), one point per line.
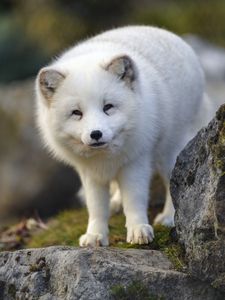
(119, 107)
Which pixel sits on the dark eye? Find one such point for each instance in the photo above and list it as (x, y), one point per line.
(107, 107)
(77, 112)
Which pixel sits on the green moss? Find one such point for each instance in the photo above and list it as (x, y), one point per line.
(38, 266)
(135, 291)
(65, 229)
(69, 225)
(12, 290)
(164, 241)
(217, 143)
(175, 253)
(219, 283)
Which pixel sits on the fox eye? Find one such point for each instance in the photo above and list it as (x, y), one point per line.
(77, 112)
(107, 107)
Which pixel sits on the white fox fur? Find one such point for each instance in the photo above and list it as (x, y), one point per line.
(141, 91)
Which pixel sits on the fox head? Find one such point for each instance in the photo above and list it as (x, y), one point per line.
(87, 107)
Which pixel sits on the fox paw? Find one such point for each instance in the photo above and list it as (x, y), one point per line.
(164, 219)
(140, 234)
(93, 240)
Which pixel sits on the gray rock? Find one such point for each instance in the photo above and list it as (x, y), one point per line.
(75, 273)
(198, 192)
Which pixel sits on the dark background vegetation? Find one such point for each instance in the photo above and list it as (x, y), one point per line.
(33, 31)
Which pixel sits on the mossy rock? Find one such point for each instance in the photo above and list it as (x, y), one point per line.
(69, 225)
(199, 203)
(135, 291)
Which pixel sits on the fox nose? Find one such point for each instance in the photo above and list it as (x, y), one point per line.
(96, 135)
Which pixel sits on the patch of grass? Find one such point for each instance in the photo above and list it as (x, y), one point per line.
(64, 229)
(135, 291)
(69, 225)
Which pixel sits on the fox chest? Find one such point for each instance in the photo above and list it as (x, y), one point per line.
(101, 170)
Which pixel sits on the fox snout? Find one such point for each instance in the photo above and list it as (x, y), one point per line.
(96, 135)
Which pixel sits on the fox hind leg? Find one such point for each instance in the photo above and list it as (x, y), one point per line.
(115, 198)
(166, 217)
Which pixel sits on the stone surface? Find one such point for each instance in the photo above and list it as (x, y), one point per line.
(198, 192)
(76, 273)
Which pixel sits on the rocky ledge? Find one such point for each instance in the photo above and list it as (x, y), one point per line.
(102, 273)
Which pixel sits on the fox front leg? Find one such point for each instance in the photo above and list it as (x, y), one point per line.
(97, 199)
(134, 184)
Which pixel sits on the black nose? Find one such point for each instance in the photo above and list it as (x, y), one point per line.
(96, 135)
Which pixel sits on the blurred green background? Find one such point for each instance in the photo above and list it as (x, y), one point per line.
(33, 31)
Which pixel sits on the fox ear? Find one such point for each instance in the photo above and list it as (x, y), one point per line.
(123, 67)
(48, 81)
